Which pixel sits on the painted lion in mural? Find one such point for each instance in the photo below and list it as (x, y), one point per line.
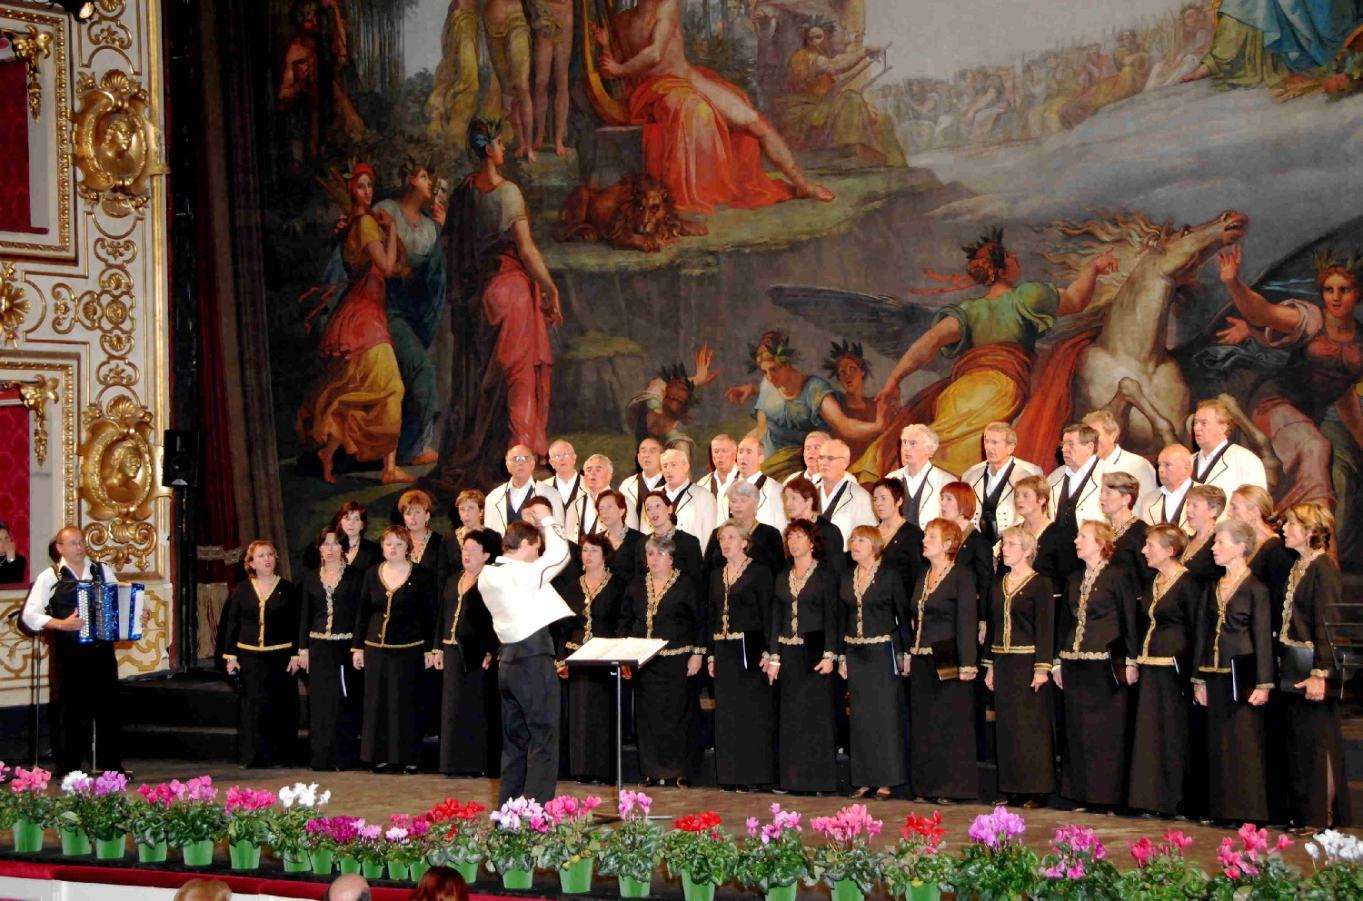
(636, 214)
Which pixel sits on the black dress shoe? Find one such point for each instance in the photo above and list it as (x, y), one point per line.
(382, 767)
(410, 769)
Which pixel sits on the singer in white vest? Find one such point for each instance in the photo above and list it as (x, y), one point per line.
(504, 503)
(724, 469)
(994, 478)
(923, 480)
(770, 510)
(1168, 503)
(1219, 462)
(814, 443)
(523, 605)
(842, 501)
(693, 508)
(649, 477)
(565, 484)
(1116, 458)
(579, 517)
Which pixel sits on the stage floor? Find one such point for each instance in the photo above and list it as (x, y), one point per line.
(370, 796)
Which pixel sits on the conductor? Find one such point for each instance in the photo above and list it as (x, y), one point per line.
(523, 605)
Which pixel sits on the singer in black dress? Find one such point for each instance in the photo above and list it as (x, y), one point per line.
(661, 603)
(874, 616)
(259, 636)
(903, 548)
(1096, 613)
(687, 555)
(801, 500)
(1117, 500)
(805, 641)
(1234, 677)
(765, 546)
(596, 596)
(350, 523)
(330, 603)
(1021, 642)
(1317, 781)
(740, 622)
(1165, 614)
(1201, 507)
(625, 544)
(942, 704)
(393, 631)
(466, 646)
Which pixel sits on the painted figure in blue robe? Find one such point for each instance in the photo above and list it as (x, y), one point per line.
(1266, 42)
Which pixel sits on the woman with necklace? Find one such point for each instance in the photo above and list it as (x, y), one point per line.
(259, 633)
(740, 621)
(393, 632)
(622, 542)
(1117, 499)
(800, 497)
(1233, 632)
(902, 541)
(331, 599)
(662, 603)
(1272, 560)
(1032, 501)
(686, 552)
(464, 658)
(428, 547)
(764, 541)
(1020, 641)
(1202, 507)
(874, 615)
(959, 506)
(596, 597)
(1164, 621)
(1317, 781)
(349, 524)
(804, 644)
(1096, 621)
(944, 615)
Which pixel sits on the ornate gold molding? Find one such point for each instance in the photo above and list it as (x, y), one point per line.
(30, 47)
(117, 144)
(13, 305)
(108, 309)
(36, 395)
(119, 481)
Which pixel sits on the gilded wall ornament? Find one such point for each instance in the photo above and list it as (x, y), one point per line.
(30, 47)
(36, 394)
(118, 481)
(13, 305)
(117, 145)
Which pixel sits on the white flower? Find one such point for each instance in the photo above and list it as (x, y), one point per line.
(1312, 850)
(323, 799)
(286, 797)
(75, 781)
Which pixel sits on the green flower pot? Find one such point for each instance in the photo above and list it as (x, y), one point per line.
(781, 892)
(576, 879)
(468, 870)
(75, 843)
(518, 879)
(111, 848)
(347, 865)
(398, 872)
(697, 891)
(244, 855)
(322, 862)
(371, 869)
(847, 890)
(635, 888)
(151, 853)
(198, 854)
(28, 837)
(924, 892)
(297, 863)
(418, 870)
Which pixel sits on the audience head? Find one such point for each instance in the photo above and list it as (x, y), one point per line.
(917, 444)
(1212, 424)
(416, 507)
(887, 497)
(563, 459)
(676, 467)
(803, 538)
(1105, 425)
(261, 559)
(958, 502)
(204, 890)
(649, 456)
(834, 458)
(350, 887)
(520, 464)
(597, 473)
(1000, 440)
(1078, 444)
(1175, 466)
(441, 884)
(800, 498)
(814, 443)
(723, 453)
(1118, 493)
(750, 457)
(469, 505)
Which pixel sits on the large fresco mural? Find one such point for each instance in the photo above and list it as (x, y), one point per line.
(505, 221)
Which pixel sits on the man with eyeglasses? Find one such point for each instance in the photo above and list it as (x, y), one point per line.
(842, 501)
(579, 517)
(566, 482)
(649, 478)
(504, 503)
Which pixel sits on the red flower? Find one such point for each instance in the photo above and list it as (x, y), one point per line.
(697, 822)
(928, 828)
(451, 810)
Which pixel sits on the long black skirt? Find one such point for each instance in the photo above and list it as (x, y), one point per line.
(1159, 743)
(878, 716)
(268, 733)
(745, 724)
(808, 755)
(1237, 786)
(591, 723)
(1315, 763)
(390, 717)
(335, 706)
(941, 734)
(1095, 733)
(463, 716)
(1024, 739)
(662, 710)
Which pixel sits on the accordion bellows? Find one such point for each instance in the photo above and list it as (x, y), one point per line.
(112, 612)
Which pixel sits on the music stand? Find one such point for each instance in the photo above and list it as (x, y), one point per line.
(617, 653)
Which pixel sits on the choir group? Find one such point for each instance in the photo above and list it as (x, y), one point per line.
(1146, 637)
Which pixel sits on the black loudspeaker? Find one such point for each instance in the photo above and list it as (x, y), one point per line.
(180, 459)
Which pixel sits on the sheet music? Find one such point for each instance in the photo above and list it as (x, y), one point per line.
(636, 651)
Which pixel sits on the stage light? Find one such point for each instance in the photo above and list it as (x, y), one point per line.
(81, 9)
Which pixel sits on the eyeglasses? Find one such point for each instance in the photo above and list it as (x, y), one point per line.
(825, 457)
(561, 455)
(520, 458)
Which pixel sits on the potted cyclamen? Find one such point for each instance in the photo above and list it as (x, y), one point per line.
(1342, 874)
(405, 846)
(514, 843)
(298, 804)
(1162, 871)
(28, 808)
(996, 865)
(631, 850)
(460, 836)
(194, 820)
(1077, 866)
(572, 842)
(916, 868)
(149, 820)
(106, 815)
(1254, 867)
(701, 854)
(249, 816)
(369, 850)
(77, 790)
(333, 839)
(845, 861)
(772, 857)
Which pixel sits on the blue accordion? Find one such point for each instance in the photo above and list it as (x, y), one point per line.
(112, 612)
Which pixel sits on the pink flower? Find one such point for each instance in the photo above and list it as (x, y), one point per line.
(369, 833)
(1142, 851)
(247, 800)
(752, 826)
(34, 780)
(110, 782)
(1177, 839)
(1253, 839)
(1283, 843)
